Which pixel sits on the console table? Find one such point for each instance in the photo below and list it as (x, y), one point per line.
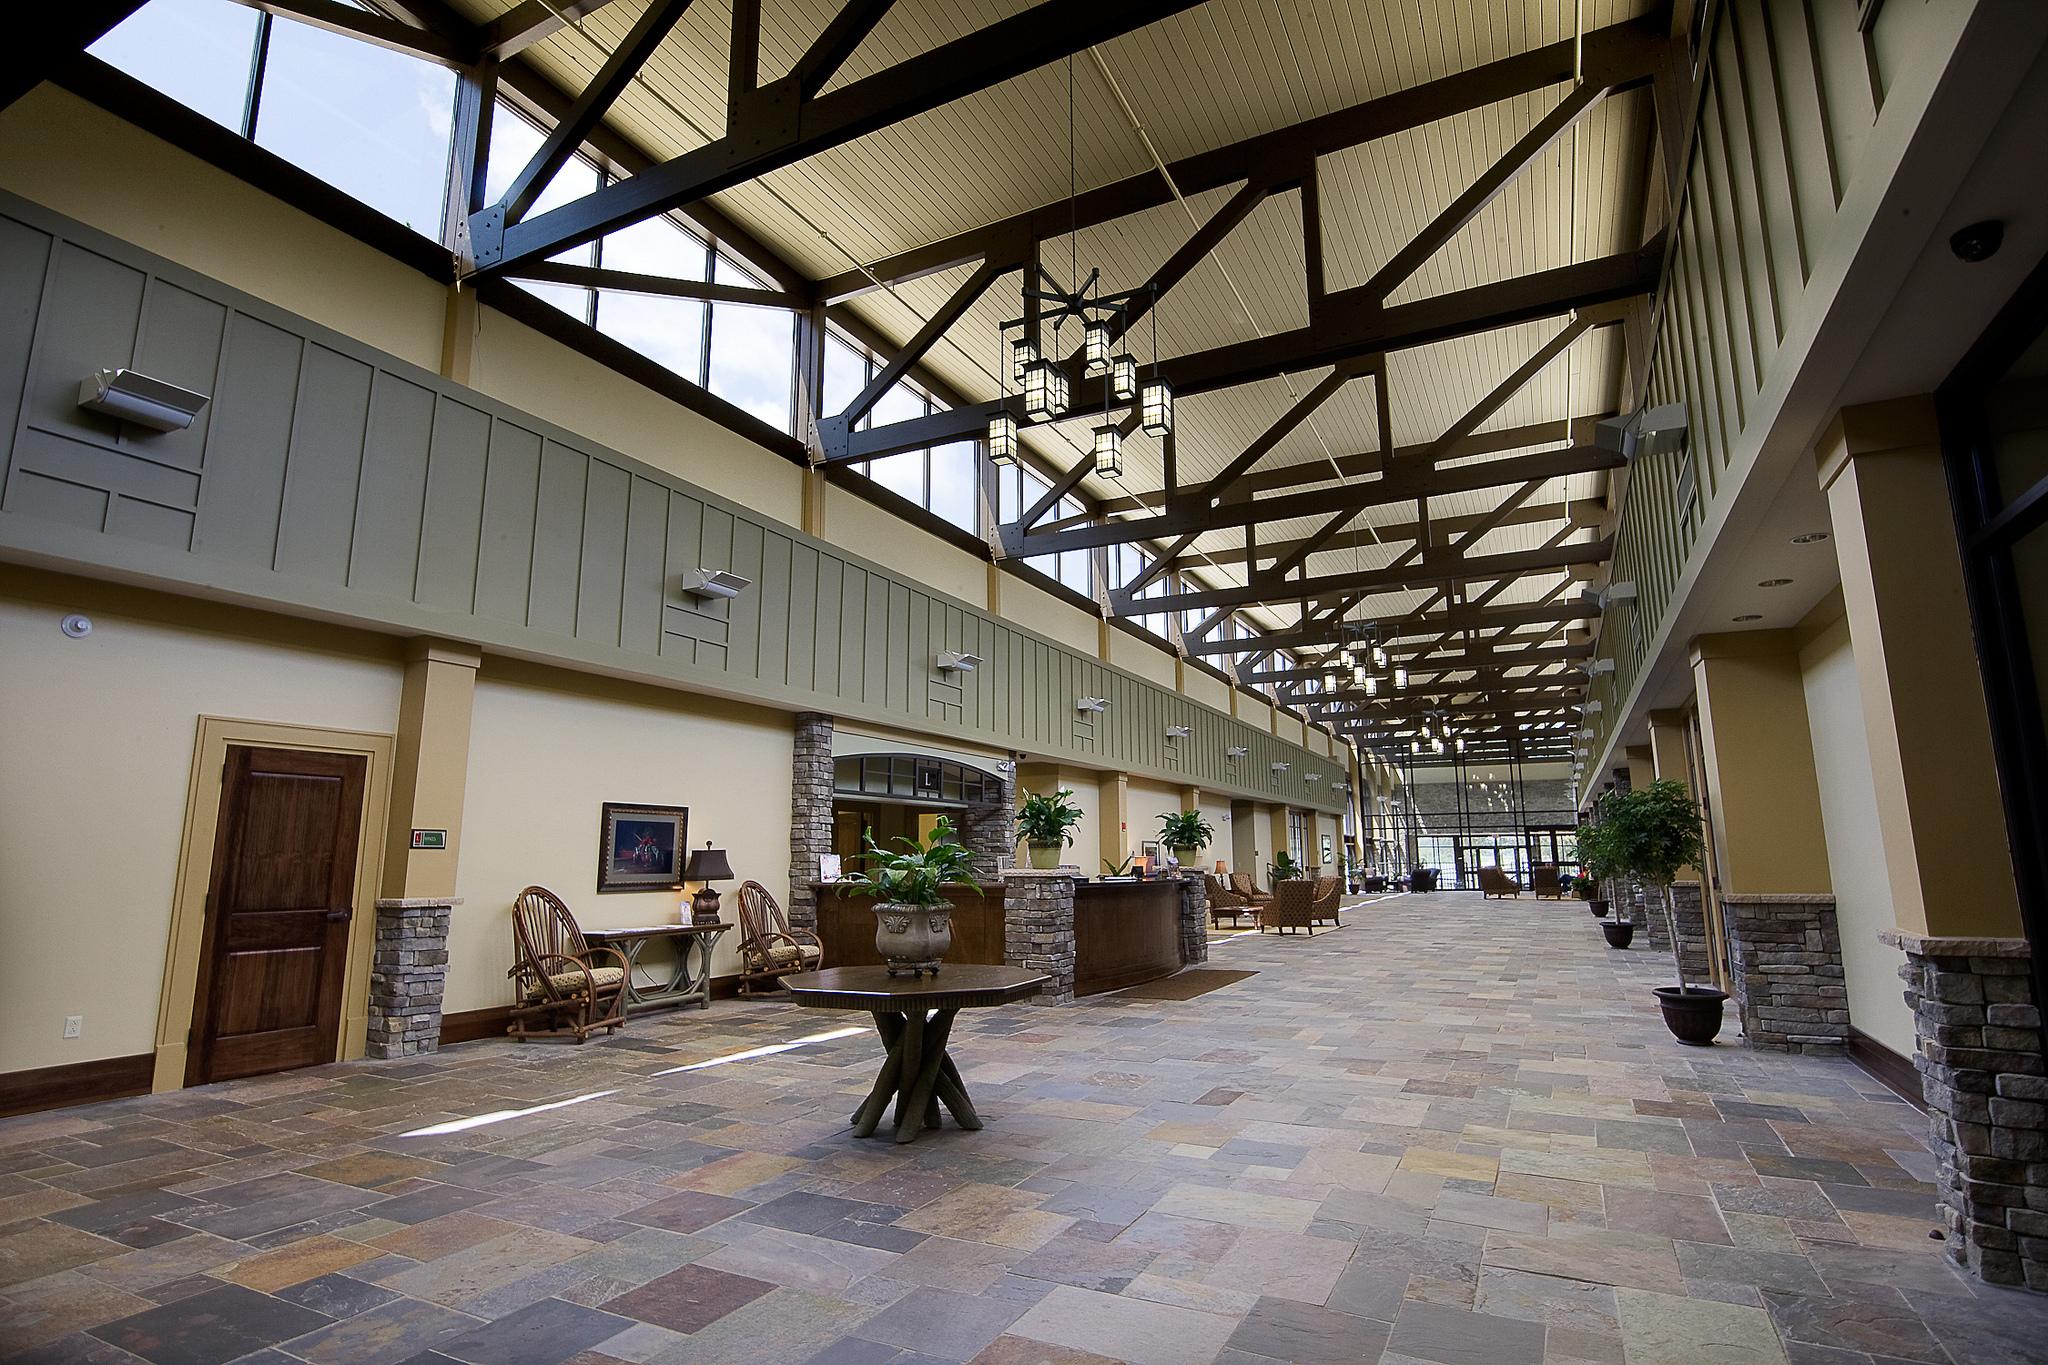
(914, 1015)
(688, 982)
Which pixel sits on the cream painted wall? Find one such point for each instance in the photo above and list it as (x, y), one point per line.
(144, 191)
(519, 366)
(542, 763)
(1149, 801)
(1142, 657)
(890, 541)
(97, 737)
(1045, 779)
(1855, 841)
(1216, 810)
(1037, 610)
(1207, 688)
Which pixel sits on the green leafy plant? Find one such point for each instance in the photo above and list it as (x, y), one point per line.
(1048, 821)
(1650, 835)
(1122, 869)
(1283, 868)
(914, 875)
(1185, 829)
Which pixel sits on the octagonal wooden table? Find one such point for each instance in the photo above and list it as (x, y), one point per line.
(914, 1015)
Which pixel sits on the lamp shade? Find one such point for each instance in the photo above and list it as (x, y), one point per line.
(707, 864)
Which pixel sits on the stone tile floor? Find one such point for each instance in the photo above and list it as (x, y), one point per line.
(1453, 1131)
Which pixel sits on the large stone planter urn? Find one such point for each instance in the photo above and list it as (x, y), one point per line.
(913, 938)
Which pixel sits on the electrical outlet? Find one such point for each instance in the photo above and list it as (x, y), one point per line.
(74, 1024)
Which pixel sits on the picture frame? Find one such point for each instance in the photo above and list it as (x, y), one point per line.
(641, 847)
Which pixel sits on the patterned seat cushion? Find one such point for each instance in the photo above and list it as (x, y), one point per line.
(792, 954)
(572, 982)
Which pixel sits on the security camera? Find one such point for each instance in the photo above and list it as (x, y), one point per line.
(1978, 241)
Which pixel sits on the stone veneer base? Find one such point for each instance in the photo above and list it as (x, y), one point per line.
(1982, 1077)
(408, 976)
(1038, 928)
(1785, 956)
(810, 815)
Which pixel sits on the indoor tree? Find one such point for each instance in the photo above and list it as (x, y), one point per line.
(1651, 835)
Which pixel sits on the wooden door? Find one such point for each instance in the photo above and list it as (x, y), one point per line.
(278, 906)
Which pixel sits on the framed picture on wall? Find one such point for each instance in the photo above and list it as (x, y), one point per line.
(641, 848)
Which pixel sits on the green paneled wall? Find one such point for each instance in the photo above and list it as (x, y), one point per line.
(1781, 153)
(329, 479)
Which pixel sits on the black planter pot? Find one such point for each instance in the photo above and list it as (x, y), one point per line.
(1598, 906)
(1693, 1014)
(1618, 932)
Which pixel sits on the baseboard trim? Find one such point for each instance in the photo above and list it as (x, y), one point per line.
(470, 1026)
(74, 1083)
(1897, 1073)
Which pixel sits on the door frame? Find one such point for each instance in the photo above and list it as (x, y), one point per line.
(216, 734)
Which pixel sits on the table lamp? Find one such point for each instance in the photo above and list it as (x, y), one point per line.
(706, 865)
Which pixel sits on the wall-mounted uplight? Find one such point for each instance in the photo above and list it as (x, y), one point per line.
(953, 661)
(1236, 751)
(1593, 708)
(1281, 767)
(1599, 667)
(709, 583)
(1311, 777)
(1091, 704)
(140, 400)
(1178, 731)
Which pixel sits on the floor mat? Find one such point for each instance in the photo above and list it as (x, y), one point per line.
(1185, 986)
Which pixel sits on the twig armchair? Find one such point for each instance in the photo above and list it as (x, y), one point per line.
(770, 948)
(563, 986)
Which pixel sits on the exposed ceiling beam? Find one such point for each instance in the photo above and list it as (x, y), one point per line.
(1616, 57)
(45, 37)
(1401, 484)
(1441, 566)
(629, 282)
(771, 127)
(849, 28)
(368, 26)
(1452, 618)
(531, 21)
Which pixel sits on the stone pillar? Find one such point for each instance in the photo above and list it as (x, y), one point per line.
(1038, 929)
(1690, 911)
(989, 831)
(810, 813)
(1785, 958)
(1194, 918)
(408, 974)
(1981, 1074)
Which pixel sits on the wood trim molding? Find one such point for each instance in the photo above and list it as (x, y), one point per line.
(195, 865)
(60, 1087)
(1897, 1073)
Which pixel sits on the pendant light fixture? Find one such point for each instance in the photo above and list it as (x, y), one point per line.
(1400, 675)
(1002, 426)
(1094, 349)
(1123, 378)
(1023, 355)
(1109, 455)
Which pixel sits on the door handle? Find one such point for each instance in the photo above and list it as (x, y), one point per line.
(337, 916)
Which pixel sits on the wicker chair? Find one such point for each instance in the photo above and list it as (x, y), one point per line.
(1243, 885)
(563, 986)
(1225, 901)
(1494, 882)
(769, 948)
(1544, 881)
(1328, 897)
(1293, 907)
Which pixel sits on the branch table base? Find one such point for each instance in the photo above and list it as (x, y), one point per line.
(914, 1016)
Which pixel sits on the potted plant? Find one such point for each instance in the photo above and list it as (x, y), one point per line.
(1598, 860)
(1119, 871)
(1651, 834)
(1283, 868)
(1186, 834)
(913, 919)
(1046, 824)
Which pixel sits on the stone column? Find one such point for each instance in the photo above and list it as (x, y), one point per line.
(1194, 918)
(1786, 964)
(1776, 894)
(810, 813)
(1690, 911)
(989, 831)
(1981, 1074)
(1038, 929)
(408, 974)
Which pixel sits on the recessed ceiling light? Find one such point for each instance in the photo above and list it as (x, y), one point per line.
(1774, 582)
(1810, 538)
(1750, 617)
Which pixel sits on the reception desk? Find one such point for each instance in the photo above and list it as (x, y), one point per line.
(1125, 933)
